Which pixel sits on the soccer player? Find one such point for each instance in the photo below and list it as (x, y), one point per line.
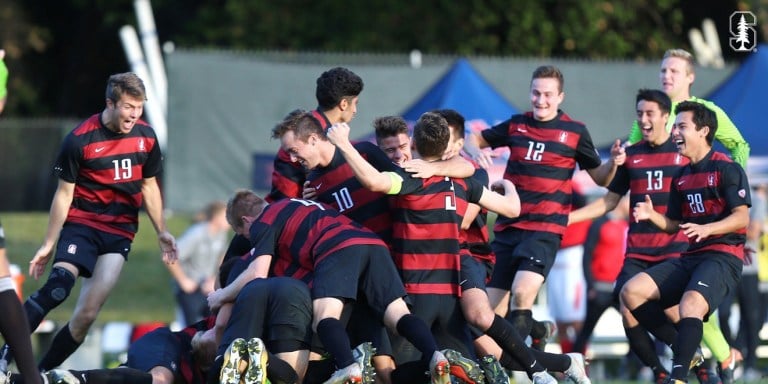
(709, 201)
(546, 145)
(107, 167)
(337, 93)
(393, 139)
(677, 75)
(339, 259)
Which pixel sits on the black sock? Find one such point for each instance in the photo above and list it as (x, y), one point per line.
(506, 336)
(538, 329)
(62, 346)
(15, 331)
(335, 340)
(318, 371)
(522, 320)
(553, 362)
(651, 316)
(641, 344)
(416, 331)
(410, 372)
(280, 372)
(684, 348)
(507, 361)
(122, 375)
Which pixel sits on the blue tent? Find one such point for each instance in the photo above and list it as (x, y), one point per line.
(462, 88)
(742, 96)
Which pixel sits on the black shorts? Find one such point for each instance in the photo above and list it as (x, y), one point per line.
(473, 272)
(81, 245)
(629, 269)
(713, 274)
(158, 348)
(277, 310)
(519, 250)
(444, 317)
(366, 269)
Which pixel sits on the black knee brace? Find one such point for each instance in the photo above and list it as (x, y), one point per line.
(53, 293)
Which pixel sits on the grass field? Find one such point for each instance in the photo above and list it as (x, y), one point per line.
(144, 290)
(143, 293)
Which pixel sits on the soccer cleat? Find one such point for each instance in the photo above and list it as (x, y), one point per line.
(705, 376)
(256, 372)
(697, 359)
(351, 374)
(59, 376)
(5, 377)
(726, 368)
(577, 372)
(494, 372)
(439, 369)
(235, 362)
(363, 354)
(551, 331)
(464, 369)
(661, 378)
(543, 378)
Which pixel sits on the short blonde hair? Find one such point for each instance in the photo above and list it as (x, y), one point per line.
(681, 54)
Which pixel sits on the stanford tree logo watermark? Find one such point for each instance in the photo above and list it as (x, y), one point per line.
(743, 31)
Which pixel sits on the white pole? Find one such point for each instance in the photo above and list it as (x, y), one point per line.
(155, 113)
(151, 45)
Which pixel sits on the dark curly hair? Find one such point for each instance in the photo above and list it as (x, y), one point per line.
(334, 85)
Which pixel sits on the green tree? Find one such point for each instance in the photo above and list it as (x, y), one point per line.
(60, 53)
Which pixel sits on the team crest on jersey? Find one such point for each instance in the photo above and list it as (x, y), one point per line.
(142, 148)
(563, 137)
(711, 179)
(72, 249)
(742, 193)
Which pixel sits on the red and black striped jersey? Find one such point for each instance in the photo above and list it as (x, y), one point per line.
(426, 240)
(543, 157)
(287, 176)
(108, 169)
(301, 233)
(475, 238)
(337, 186)
(707, 192)
(648, 170)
